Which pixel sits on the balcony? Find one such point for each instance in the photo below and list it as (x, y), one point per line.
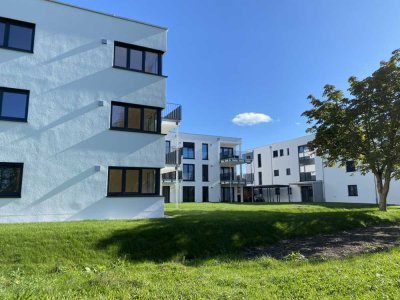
(171, 117)
(173, 158)
(171, 177)
(235, 158)
(236, 179)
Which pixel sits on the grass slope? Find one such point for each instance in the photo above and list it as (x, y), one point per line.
(194, 254)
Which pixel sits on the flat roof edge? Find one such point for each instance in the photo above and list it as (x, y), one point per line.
(211, 135)
(106, 14)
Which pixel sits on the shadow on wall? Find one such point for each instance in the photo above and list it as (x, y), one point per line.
(64, 186)
(208, 234)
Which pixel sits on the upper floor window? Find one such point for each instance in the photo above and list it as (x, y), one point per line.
(167, 147)
(204, 151)
(14, 104)
(281, 152)
(275, 153)
(188, 150)
(137, 58)
(128, 182)
(131, 117)
(188, 172)
(16, 35)
(10, 180)
(226, 152)
(350, 166)
(352, 190)
(276, 173)
(259, 160)
(205, 173)
(288, 171)
(287, 151)
(260, 178)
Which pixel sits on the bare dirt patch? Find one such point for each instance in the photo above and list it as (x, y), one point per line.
(332, 246)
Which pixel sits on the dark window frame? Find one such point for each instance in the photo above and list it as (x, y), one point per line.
(139, 193)
(167, 147)
(281, 152)
(19, 192)
(350, 166)
(259, 160)
(276, 173)
(260, 178)
(143, 50)
(205, 175)
(206, 195)
(288, 171)
(9, 22)
(187, 189)
(188, 146)
(202, 151)
(275, 153)
(15, 91)
(142, 108)
(194, 172)
(352, 190)
(287, 151)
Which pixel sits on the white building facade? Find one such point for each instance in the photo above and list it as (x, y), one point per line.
(204, 168)
(81, 100)
(288, 171)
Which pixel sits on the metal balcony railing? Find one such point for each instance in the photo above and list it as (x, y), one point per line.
(171, 176)
(237, 179)
(236, 156)
(172, 112)
(172, 158)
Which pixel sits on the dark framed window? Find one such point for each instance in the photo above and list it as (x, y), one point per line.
(167, 147)
(276, 173)
(11, 179)
(136, 58)
(206, 194)
(350, 166)
(188, 194)
(259, 160)
(204, 151)
(287, 151)
(131, 182)
(281, 152)
(188, 150)
(226, 152)
(205, 173)
(275, 153)
(14, 104)
(353, 191)
(188, 172)
(17, 35)
(288, 171)
(260, 178)
(138, 118)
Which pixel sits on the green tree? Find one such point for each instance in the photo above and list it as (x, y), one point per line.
(363, 127)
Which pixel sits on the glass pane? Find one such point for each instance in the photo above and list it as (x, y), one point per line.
(136, 60)
(148, 181)
(9, 179)
(2, 29)
(115, 181)
(132, 181)
(20, 37)
(14, 105)
(150, 120)
(151, 65)
(120, 57)
(133, 118)
(118, 116)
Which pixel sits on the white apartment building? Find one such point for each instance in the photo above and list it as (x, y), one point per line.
(288, 171)
(204, 168)
(81, 101)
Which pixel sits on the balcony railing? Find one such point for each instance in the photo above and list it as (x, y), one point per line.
(171, 176)
(236, 157)
(173, 158)
(237, 179)
(307, 176)
(172, 112)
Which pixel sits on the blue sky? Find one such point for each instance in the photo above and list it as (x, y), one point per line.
(227, 57)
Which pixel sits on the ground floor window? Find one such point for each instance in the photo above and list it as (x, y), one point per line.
(205, 194)
(188, 194)
(353, 191)
(129, 182)
(227, 194)
(10, 180)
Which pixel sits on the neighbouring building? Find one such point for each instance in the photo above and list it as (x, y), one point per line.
(204, 168)
(289, 171)
(82, 99)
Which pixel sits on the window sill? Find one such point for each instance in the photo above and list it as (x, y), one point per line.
(137, 71)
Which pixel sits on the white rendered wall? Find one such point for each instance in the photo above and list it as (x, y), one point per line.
(214, 169)
(67, 133)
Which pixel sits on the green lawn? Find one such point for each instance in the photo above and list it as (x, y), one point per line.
(194, 254)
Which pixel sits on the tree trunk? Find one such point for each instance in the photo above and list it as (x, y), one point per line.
(382, 186)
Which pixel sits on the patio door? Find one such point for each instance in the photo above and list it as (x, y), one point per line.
(307, 193)
(166, 192)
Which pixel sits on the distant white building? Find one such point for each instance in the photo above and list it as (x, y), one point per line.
(82, 95)
(288, 171)
(208, 168)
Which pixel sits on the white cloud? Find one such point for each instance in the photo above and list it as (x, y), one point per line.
(250, 119)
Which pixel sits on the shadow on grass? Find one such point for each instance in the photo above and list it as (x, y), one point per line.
(199, 234)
